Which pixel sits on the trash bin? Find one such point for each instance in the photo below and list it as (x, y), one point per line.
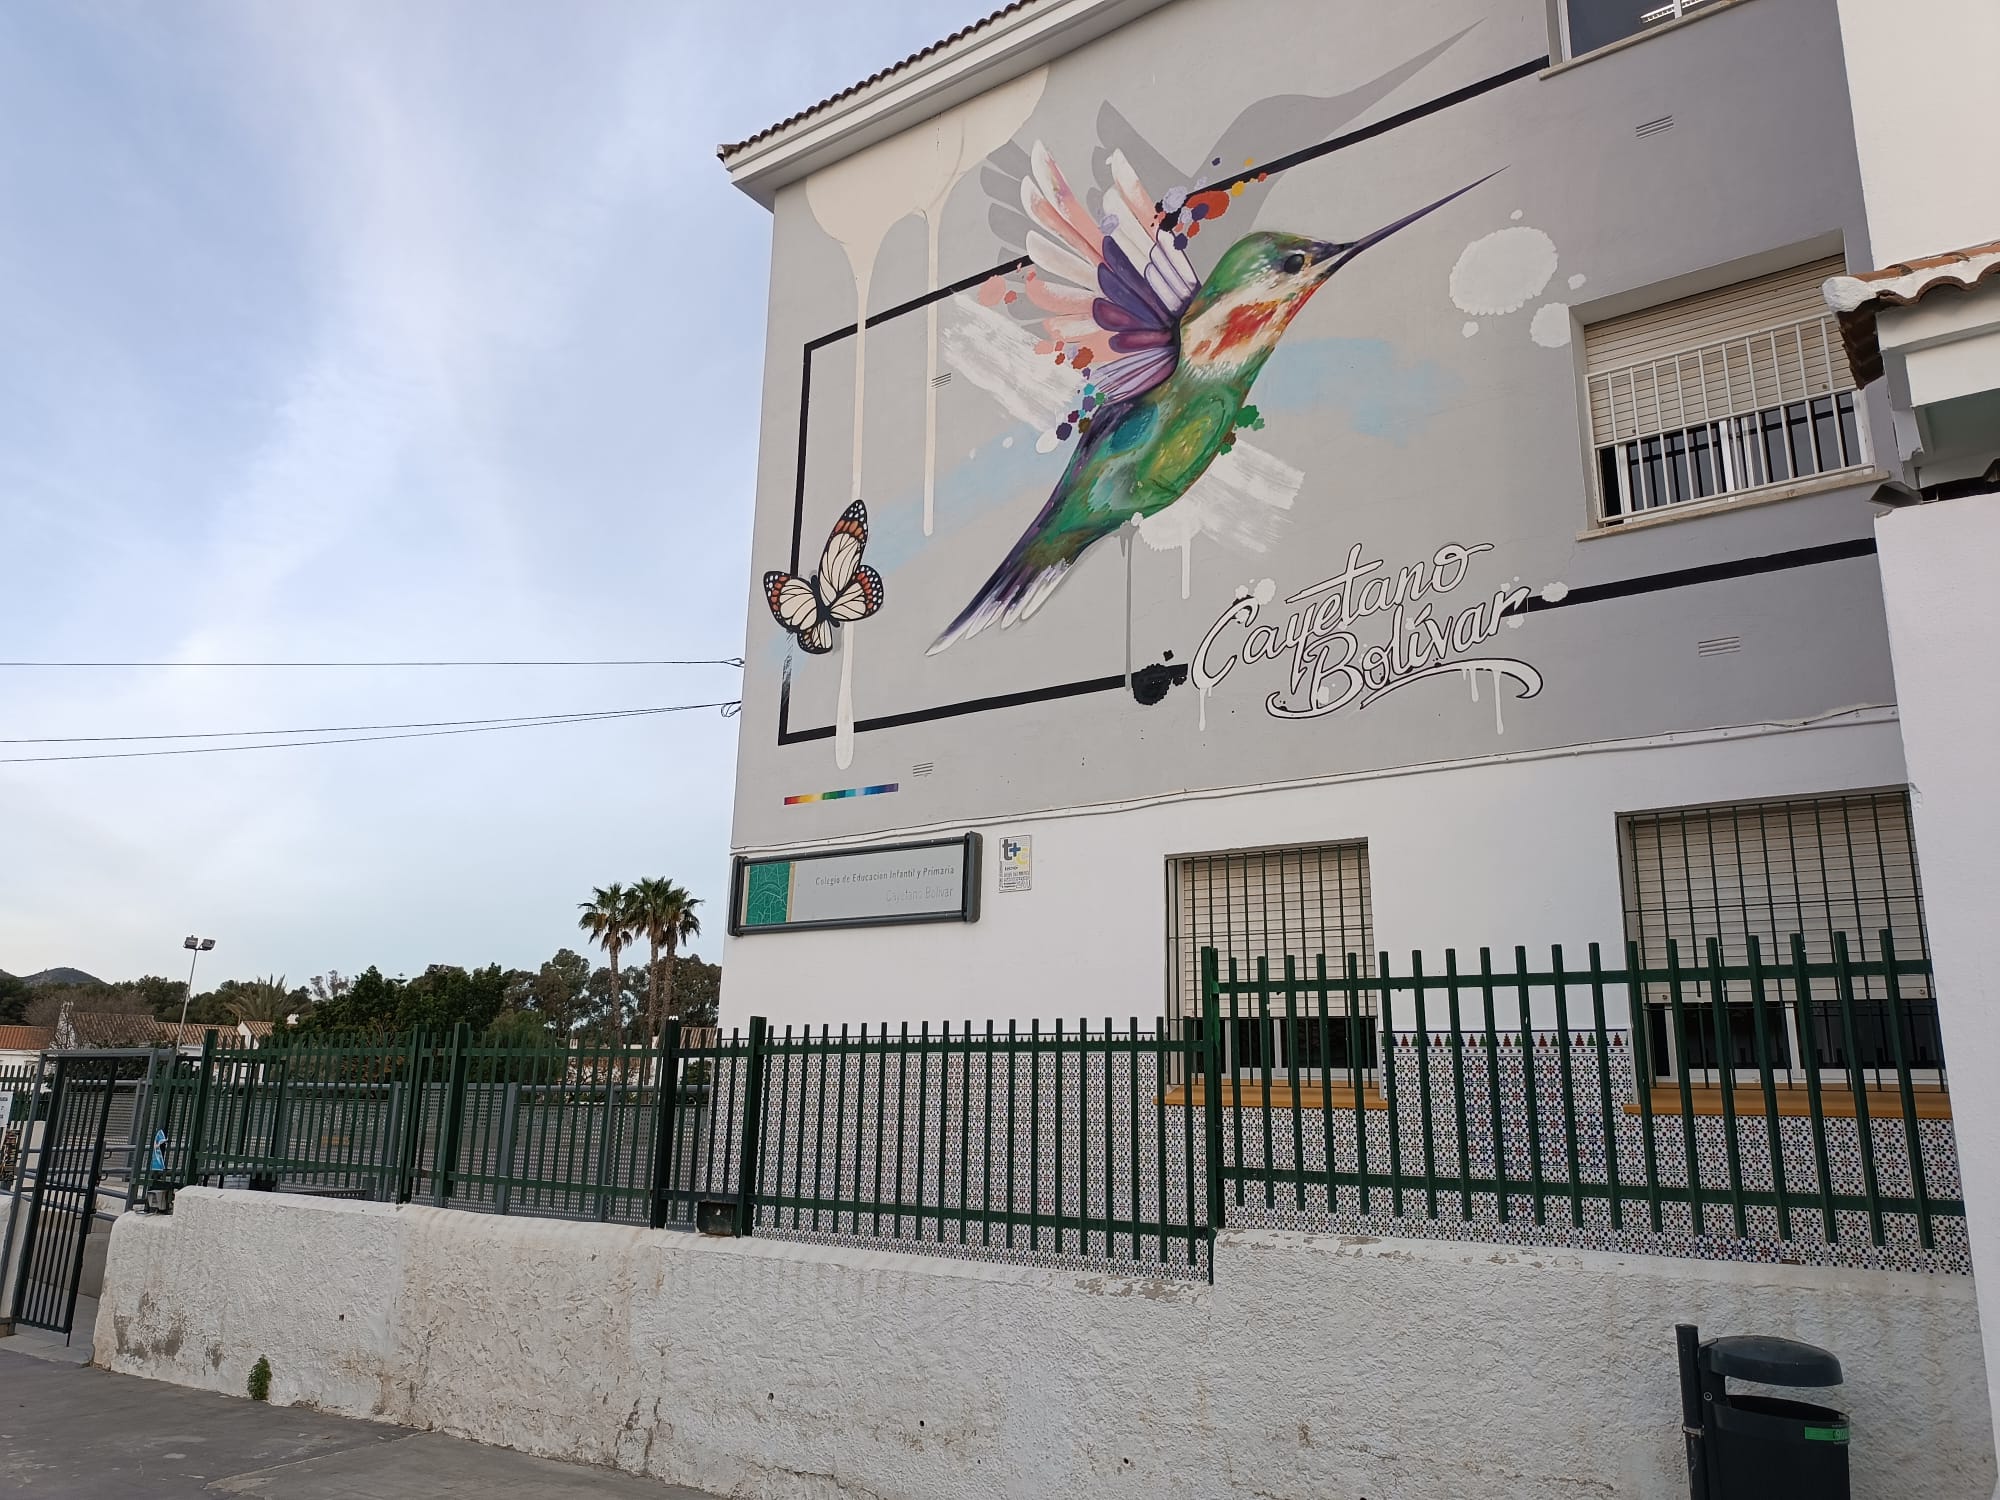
(1743, 1447)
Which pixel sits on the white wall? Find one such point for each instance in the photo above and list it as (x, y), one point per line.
(1920, 73)
(1936, 565)
(1497, 853)
(1313, 1367)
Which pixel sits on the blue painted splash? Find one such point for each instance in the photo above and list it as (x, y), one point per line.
(1362, 380)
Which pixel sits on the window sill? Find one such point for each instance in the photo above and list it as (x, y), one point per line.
(1835, 1103)
(1770, 494)
(1712, 8)
(1252, 1096)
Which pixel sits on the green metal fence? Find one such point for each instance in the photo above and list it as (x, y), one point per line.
(1765, 1106)
(1764, 1100)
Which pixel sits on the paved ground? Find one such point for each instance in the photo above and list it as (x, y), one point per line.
(72, 1433)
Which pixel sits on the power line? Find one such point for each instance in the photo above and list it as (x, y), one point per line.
(233, 734)
(728, 709)
(704, 661)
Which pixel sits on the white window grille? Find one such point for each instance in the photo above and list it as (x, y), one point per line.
(1590, 24)
(1720, 394)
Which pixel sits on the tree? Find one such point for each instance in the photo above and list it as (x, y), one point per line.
(662, 913)
(607, 917)
(559, 991)
(14, 995)
(264, 999)
(331, 985)
(368, 1003)
(522, 1028)
(608, 1021)
(697, 991)
(445, 995)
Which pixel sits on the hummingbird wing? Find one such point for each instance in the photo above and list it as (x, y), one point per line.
(1114, 288)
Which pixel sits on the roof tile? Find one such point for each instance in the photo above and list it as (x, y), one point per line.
(1856, 299)
(727, 151)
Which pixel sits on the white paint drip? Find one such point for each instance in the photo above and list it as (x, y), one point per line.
(1577, 280)
(930, 376)
(1468, 328)
(1499, 721)
(1472, 681)
(861, 280)
(861, 198)
(1501, 272)
(1125, 546)
(843, 723)
(1550, 325)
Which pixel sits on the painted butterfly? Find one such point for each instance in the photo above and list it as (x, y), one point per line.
(843, 590)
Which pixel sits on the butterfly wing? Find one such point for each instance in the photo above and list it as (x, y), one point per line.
(860, 599)
(793, 603)
(837, 564)
(818, 638)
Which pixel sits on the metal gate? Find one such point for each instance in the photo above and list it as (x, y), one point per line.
(89, 1093)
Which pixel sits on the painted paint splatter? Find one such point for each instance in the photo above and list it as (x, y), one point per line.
(1502, 272)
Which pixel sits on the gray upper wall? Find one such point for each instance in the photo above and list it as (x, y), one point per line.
(1406, 435)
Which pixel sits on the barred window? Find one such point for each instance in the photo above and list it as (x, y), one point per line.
(1814, 866)
(1721, 393)
(1299, 903)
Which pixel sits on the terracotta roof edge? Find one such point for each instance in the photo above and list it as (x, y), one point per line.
(734, 148)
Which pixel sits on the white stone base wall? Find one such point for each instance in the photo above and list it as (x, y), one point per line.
(1314, 1367)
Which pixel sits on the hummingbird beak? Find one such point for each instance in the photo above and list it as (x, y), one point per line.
(1331, 257)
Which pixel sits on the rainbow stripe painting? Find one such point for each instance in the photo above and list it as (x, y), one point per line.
(851, 791)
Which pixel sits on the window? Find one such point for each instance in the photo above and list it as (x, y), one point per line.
(1812, 866)
(1720, 394)
(1590, 24)
(1272, 904)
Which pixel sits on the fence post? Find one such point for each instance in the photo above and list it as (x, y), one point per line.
(409, 1138)
(510, 1108)
(1211, 1094)
(666, 1119)
(198, 1115)
(277, 1141)
(752, 1128)
(446, 1165)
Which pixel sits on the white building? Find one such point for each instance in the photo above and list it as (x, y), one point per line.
(1928, 319)
(1535, 601)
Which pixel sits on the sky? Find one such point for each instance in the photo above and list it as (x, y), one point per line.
(361, 330)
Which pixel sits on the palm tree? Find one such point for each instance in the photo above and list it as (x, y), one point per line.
(663, 913)
(264, 999)
(607, 917)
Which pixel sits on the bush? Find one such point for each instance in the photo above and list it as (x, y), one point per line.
(260, 1380)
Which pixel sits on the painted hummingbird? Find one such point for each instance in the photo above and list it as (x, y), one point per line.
(1187, 352)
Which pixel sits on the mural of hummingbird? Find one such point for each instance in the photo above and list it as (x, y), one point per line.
(1183, 354)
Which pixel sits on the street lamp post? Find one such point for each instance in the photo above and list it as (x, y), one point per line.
(196, 946)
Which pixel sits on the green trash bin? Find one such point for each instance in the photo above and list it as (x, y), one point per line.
(1744, 1447)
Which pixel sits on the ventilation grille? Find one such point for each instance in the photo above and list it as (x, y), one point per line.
(1722, 645)
(939, 382)
(923, 768)
(1654, 127)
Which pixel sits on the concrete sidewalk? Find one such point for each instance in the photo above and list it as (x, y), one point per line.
(72, 1433)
